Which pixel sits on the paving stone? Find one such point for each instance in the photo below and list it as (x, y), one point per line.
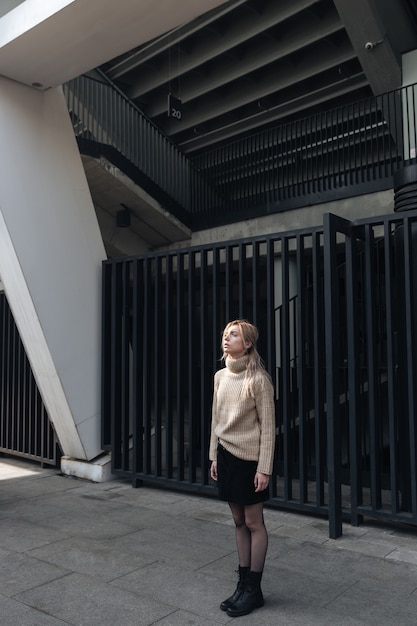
(80, 553)
(186, 589)
(185, 618)
(14, 613)
(100, 560)
(21, 534)
(19, 572)
(82, 600)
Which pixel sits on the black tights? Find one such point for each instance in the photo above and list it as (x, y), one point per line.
(251, 535)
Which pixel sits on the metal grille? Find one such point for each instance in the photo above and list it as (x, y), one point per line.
(354, 147)
(25, 429)
(163, 318)
(371, 369)
(336, 309)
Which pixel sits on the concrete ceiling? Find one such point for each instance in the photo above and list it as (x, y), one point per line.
(252, 63)
(237, 66)
(45, 43)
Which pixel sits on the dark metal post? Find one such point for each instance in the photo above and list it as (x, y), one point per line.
(332, 225)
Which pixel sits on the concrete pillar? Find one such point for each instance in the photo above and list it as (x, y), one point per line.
(50, 260)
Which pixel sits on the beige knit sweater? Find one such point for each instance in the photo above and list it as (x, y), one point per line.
(244, 426)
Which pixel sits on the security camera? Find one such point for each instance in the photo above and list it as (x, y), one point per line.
(369, 45)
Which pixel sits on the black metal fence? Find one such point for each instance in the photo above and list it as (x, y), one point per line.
(346, 151)
(25, 429)
(370, 309)
(336, 310)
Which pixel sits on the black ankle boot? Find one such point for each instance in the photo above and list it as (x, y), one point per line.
(242, 572)
(251, 597)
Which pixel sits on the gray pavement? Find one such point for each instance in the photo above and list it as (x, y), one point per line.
(74, 552)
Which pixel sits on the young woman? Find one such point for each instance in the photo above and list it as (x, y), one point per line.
(241, 451)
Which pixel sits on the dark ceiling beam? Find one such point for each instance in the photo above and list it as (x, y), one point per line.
(274, 114)
(240, 31)
(258, 54)
(368, 34)
(279, 77)
(173, 37)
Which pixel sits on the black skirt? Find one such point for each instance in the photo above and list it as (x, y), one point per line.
(235, 479)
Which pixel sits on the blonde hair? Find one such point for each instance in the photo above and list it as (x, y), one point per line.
(249, 334)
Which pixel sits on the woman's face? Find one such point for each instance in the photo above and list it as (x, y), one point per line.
(233, 344)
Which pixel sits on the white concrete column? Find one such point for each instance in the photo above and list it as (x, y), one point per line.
(50, 260)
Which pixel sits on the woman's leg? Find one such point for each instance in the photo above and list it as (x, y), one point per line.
(254, 522)
(251, 597)
(243, 550)
(243, 534)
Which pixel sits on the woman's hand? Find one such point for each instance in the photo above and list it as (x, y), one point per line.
(261, 481)
(213, 470)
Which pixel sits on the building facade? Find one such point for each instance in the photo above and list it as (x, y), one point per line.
(204, 98)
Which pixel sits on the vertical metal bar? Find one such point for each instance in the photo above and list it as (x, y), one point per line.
(205, 384)
(271, 341)
(353, 391)
(125, 377)
(287, 408)
(241, 248)
(137, 373)
(106, 317)
(301, 374)
(26, 371)
(115, 367)
(332, 376)
(18, 390)
(147, 361)
(192, 367)
(170, 314)
(181, 354)
(373, 408)
(12, 382)
(409, 260)
(390, 334)
(270, 356)
(255, 282)
(217, 321)
(229, 284)
(318, 368)
(157, 387)
(31, 412)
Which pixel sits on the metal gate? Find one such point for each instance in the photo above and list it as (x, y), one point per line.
(335, 307)
(370, 309)
(25, 428)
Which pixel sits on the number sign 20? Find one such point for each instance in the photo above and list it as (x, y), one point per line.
(174, 107)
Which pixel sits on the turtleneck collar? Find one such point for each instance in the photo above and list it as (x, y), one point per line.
(237, 365)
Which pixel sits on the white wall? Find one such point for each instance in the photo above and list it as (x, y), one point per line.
(50, 260)
(358, 207)
(8, 5)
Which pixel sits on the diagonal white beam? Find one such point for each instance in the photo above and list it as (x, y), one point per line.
(51, 252)
(36, 346)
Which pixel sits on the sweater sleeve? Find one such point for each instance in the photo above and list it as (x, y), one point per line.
(265, 408)
(214, 419)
